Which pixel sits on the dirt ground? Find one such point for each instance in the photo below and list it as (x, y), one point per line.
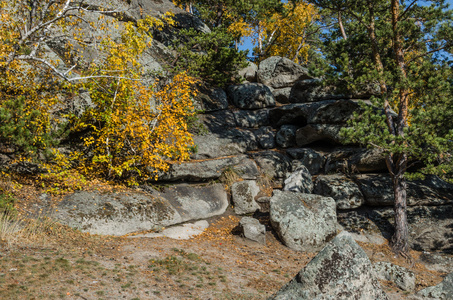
(218, 264)
(57, 262)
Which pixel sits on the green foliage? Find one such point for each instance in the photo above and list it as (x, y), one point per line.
(209, 56)
(421, 90)
(7, 204)
(20, 128)
(223, 13)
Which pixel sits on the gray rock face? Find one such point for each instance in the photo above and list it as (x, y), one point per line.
(323, 112)
(279, 72)
(402, 277)
(214, 145)
(122, 213)
(313, 160)
(319, 132)
(442, 291)
(211, 99)
(311, 90)
(265, 137)
(299, 181)
(253, 230)
(218, 121)
(340, 271)
(252, 118)
(194, 202)
(116, 214)
(430, 227)
(226, 143)
(243, 137)
(353, 160)
(243, 194)
(251, 96)
(183, 20)
(303, 222)
(272, 164)
(282, 95)
(211, 169)
(132, 11)
(334, 112)
(343, 190)
(294, 114)
(286, 136)
(436, 262)
(249, 72)
(377, 190)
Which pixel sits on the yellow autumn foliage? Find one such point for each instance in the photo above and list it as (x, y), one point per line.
(286, 34)
(134, 128)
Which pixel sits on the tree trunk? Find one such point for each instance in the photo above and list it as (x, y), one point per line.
(400, 237)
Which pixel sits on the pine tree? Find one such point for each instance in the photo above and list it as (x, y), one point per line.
(399, 47)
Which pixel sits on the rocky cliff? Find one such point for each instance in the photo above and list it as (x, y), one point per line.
(274, 142)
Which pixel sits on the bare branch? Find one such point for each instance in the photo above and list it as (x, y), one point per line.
(447, 45)
(406, 10)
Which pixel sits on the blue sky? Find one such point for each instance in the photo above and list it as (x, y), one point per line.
(247, 43)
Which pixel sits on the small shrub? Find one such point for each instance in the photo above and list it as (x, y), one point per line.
(7, 204)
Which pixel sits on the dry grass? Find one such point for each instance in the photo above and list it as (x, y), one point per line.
(265, 184)
(10, 228)
(15, 230)
(229, 177)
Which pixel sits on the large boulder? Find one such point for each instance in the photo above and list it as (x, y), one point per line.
(442, 291)
(272, 164)
(213, 145)
(304, 222)
(125, 212)
(299, 181)
(243, 194)
(252, 118)
(251, 96)
(402, 277)
(286, 136)
(279, 72)
(323, 112)
(430, 227)
(152, 58)
(343, 190)
(291, 114)
(341, 270)
(244, 137)
(355, 160)
(334, 111)
(378, 190)
(218, 121)
(282, 95)
(195, 202)
(249, 73)
(319, 133)
(210, 99)
(226, 143)
(265, 137)
(313, 160)
(211, 169)
(311, 90)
